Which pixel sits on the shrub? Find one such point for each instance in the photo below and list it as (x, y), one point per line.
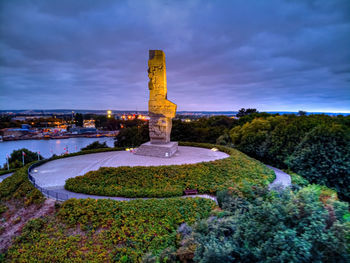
(297, 179)
(291, 227)
(88, 230)
(18, 186)
(167, 181)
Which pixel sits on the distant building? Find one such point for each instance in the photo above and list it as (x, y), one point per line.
(89, 124)
(16, 132)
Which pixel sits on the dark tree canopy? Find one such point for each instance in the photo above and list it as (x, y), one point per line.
(243, 112)
(16, 156)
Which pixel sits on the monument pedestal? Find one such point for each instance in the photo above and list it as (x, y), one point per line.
(158, 150)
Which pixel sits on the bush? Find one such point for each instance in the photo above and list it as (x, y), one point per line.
(167, 181)
(15, 159)
(88, 230)
(297, 179)
(291, 227)
(18, 186)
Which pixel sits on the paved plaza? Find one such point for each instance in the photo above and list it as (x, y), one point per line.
(53, 174)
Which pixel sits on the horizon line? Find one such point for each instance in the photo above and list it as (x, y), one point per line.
(62, 109)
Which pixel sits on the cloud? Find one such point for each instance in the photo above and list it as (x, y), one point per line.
(221, 55)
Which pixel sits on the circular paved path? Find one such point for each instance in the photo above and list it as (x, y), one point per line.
(282, 179)
(53, 174)
(4, 176)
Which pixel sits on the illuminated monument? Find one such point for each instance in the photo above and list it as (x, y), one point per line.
(161, 110)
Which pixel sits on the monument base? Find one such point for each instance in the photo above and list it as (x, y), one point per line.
(158, 150)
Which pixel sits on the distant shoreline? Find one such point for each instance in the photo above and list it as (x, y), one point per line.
(55, 137)
(182, 112)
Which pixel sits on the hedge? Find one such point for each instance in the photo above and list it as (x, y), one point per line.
(165, 181)
(17, 186)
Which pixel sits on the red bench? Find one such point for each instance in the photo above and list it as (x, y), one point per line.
(190, 191)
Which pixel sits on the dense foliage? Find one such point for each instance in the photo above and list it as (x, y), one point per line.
(88, 230)
(244, 112)
(305, 226)
(17, 186)
(323, 156)
(316, 146)
(166, 181)
(204, 130)
(95, 145)
(132, 136)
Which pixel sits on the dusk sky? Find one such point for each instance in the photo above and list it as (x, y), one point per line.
(220, 55)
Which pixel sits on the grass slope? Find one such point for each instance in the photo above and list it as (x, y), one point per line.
(88, 230)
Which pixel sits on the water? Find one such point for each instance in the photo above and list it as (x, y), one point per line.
(49, 147)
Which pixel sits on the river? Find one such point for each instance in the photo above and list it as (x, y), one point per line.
(49, 147)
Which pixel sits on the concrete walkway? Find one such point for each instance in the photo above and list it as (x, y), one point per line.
(63, 192)
(4, 176)
(282, 179)
(55, 173)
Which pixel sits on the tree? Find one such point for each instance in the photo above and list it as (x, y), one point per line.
(302, 113)
(243, 112)
(132, 136)
(285, 227)
(79, 118)
(251, 138)
(16, 156)
(323, 157)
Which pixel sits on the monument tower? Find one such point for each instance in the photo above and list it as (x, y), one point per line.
(160, 110)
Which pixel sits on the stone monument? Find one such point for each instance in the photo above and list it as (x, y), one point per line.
(160, 110)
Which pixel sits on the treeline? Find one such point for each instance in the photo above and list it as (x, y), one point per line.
(204, 130)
